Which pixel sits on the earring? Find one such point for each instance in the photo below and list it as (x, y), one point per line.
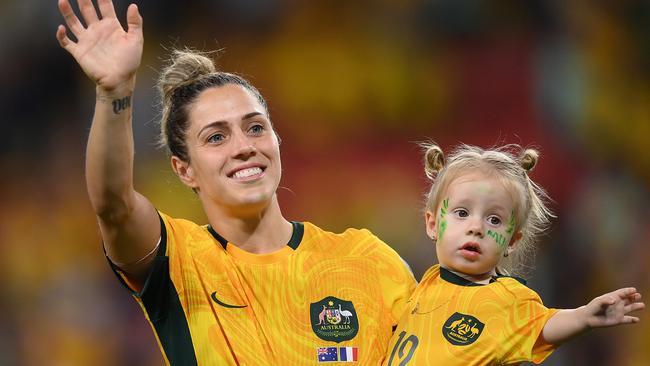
(505, 254)
(433, 237)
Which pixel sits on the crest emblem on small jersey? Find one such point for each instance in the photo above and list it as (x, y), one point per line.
(462, 329)
(333, 319)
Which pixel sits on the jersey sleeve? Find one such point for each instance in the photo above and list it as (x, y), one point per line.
(525, 324)
(397, 283)
(136, 287)
(154, 293)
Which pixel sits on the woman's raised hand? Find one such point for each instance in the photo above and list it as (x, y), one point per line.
(107, 53)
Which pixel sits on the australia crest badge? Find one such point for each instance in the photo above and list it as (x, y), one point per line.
(333, 319)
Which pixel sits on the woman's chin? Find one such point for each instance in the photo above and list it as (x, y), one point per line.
(253, 202)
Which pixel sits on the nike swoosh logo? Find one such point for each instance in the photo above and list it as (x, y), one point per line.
(214, 297)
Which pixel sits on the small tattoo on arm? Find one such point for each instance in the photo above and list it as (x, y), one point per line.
(121, 104)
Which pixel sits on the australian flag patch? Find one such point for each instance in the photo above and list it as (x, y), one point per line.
(328, 354)
(338, 354)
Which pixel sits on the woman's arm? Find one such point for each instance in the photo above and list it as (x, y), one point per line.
(608, 310)
(110, 56)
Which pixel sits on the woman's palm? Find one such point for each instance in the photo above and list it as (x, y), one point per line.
(107, 53)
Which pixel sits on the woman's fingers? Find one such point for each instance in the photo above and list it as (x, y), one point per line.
(106, 9)
(88, 11)
(63, 39)
(134, 20)
(70, 17)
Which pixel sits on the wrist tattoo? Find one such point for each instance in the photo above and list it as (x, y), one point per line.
(121, 104)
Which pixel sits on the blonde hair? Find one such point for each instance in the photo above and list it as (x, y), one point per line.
(509, 163)
(187, 74)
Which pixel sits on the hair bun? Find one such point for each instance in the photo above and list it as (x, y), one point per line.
(185, 66)
(434, 159)
(528, 159)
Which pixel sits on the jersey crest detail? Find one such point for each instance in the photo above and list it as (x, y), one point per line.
(462, 329)
(333, 319)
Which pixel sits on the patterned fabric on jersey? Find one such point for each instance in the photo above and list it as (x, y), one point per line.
(452, 321)
(323, 297)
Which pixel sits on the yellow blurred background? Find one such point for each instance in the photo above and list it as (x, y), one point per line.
(352, 86)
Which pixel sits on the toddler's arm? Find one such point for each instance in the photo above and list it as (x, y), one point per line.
(606, 310)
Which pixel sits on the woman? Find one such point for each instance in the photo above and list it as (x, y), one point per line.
(250, 287)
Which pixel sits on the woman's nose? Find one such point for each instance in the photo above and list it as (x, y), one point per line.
(243, 146)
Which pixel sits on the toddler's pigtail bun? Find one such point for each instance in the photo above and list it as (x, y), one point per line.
(434, 159)
(528, 159)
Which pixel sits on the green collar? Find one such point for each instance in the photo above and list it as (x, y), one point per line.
(451, 277)
(294, 241)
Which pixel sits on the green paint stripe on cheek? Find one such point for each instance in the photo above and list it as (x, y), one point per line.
(511, 223)
(498, 238)
(442, 222)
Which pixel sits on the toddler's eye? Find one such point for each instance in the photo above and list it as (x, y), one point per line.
(461, 212)
(494, 220)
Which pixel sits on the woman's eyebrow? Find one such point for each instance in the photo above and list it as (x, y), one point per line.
(251, 115)
(211, 125)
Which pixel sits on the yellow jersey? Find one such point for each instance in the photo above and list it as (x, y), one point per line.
(452, 321)
(323, 298)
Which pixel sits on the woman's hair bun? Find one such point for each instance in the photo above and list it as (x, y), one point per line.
(184, 67)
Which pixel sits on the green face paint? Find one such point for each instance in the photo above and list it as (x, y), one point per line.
(442, 221)
(511, 223)
(499, 238)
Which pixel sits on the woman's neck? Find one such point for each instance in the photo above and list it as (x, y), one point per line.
(263, 231)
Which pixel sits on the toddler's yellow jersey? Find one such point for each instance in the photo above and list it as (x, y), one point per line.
(452, 321)
(324, 297)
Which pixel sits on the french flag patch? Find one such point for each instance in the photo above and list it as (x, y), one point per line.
(348, 354)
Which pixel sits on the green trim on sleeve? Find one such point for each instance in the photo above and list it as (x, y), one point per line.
(163, 307)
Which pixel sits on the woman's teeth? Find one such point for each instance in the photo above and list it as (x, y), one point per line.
(245, 173)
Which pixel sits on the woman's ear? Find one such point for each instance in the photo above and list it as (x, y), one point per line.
(430, 224)
(184, 171)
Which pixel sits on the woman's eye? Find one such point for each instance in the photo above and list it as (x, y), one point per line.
(494, 220)
(217, 137)
(256, 129)
(462, 213)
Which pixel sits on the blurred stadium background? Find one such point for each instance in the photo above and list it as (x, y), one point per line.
(352, 85)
